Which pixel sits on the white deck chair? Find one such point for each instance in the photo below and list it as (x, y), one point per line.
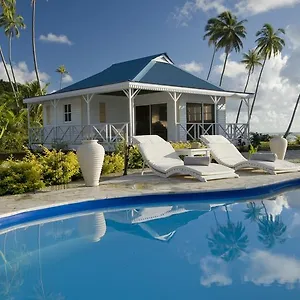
(163, 160)
(225, 153)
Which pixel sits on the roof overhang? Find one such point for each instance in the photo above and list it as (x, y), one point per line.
(135, 85)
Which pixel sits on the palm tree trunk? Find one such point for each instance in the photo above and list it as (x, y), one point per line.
(292, 118)
(266, 212)
(11, 66)
(6, 71)
(256, 89)
(212, 62)
(241, 103)
(227, 213)
(40, 262)
(215, 216)
(61, 77)
(224, 67)
(33, 45)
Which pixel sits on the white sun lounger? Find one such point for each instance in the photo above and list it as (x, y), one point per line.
(225, 153)
(163, 160)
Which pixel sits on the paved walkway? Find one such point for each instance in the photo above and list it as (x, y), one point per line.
(133, 184)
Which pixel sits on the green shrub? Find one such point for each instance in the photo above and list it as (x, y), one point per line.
(181, 145)
(135, 160)
(58, 167)
(17, 177)
(113, 163)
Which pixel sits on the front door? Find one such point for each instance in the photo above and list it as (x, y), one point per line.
(152, 119)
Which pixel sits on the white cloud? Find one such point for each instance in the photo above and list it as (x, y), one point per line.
(253, 7)
(277, 93)
(267, 268)
(23, 74)
(53, 38)
(67, 78)
(185, 13)
(214, 272)
(192, 67)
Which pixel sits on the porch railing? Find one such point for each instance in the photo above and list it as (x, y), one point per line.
(236, 133)
(106, 133)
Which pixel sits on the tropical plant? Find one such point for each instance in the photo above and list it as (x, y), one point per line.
(250, 60)
(253, 212)
(271, 229)
(228, 241)
(210, 30)
(269, 43)
(12, 24)
(33, 4)
(292, 118)
(4, 7)
(63, 72)
(227, 32)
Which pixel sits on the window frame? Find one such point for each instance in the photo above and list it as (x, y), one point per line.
(67, 113)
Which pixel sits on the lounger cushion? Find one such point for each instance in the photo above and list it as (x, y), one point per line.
(264, 156)
(197, 160)
(214, 139)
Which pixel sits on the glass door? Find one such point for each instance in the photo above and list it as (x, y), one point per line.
(142, 120)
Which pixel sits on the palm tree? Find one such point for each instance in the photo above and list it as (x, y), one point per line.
(210, 29)
(292, 118)
(4, 7)
(250, 60)
(33, 3)
(253, 212)
(228, 241)
(269, 43)
(271, 229)
(62, 71)
(227, 33)
(12, 24)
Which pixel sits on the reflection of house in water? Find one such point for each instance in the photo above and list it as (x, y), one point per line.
(160, 223)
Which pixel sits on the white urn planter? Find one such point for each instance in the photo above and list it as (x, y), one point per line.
(90, 156)
(278, 145)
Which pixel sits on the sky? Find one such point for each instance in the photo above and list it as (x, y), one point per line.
(89, 38)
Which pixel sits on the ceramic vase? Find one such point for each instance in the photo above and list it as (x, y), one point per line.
(90, 156)
(278, 145)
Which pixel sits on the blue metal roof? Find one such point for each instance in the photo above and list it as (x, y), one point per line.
(167, 74)
(144, 70)
(120, 72)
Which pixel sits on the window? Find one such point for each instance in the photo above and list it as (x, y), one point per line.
(208, 113)
(68, 113)
(48, 115)
(102, 112)
(194, 112)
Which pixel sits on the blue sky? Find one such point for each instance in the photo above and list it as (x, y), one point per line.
(95, 35)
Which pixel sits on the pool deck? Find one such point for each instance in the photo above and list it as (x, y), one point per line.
(132, 185)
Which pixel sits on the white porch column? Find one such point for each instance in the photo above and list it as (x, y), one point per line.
(175, 96)
(28, 124)
(54, 104)
(131, 94)
(248, 102)
(88, 99)
(215, 100)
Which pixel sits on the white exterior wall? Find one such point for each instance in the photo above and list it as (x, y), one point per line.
(117, 110)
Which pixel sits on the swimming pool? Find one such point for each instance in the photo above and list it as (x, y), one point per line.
(208, 249)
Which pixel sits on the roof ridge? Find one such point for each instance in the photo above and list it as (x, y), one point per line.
(143, 57)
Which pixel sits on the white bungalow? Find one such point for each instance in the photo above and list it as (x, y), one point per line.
(149, 95)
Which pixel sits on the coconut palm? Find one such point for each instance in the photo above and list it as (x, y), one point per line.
(251, 60)
(292, 118)
(228, 33)
(12, 24)
(228, 241)
(253, 212)
(63, 72)
(33, 4)
(4, 7)
(210, 29)
(271, 229)
(269, 43)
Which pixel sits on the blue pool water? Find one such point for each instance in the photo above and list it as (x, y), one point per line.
(181, 250)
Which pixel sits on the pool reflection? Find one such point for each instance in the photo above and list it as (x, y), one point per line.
(192, 246)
